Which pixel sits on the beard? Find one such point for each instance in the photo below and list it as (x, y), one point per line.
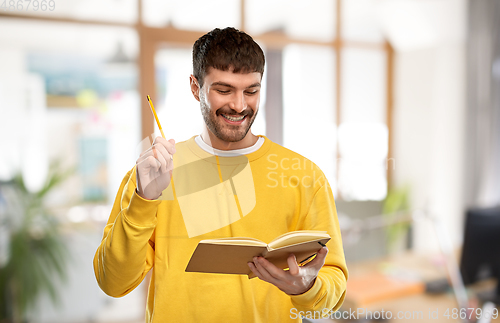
(222, 130)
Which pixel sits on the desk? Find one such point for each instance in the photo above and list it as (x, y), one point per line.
(416, 305)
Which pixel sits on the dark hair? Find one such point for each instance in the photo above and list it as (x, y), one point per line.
(224, 49)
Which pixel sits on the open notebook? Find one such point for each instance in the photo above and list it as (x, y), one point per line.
(231, 255)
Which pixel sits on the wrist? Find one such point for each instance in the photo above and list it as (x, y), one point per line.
(146, 198)
(308, 288)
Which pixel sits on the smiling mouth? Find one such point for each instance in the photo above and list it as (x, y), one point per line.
(234, 119)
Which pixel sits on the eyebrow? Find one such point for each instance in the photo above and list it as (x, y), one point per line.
(230, 86)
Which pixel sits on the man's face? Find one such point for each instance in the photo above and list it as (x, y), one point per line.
(229, 102)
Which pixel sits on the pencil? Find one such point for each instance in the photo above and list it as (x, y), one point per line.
(156, 117)
(157, 121)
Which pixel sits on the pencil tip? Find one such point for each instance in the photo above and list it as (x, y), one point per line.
(147, 97)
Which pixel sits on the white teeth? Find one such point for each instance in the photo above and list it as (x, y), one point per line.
(233, 119)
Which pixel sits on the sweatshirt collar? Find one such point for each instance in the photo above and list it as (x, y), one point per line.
(232, 160)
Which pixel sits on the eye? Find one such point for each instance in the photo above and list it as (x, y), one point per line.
(252, 92)
(223, 91)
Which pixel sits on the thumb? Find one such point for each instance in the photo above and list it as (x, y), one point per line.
(172, 141)
(292, 264)
(319, 260)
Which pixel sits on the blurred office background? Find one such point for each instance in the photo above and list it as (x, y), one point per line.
(396, 100)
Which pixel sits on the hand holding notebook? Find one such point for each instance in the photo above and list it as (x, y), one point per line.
(231, 255)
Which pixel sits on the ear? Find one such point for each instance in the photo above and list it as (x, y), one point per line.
(195, 87)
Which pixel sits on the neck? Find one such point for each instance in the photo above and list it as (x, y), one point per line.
(208, 137)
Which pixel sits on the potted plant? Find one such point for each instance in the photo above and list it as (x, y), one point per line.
(33, 253)
(396, 210)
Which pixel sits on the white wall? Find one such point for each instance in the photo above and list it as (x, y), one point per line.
(429, 119)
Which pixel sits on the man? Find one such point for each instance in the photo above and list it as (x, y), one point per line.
(223, 183)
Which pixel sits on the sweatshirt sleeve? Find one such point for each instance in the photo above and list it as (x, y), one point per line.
(329, 289)
(126, 252)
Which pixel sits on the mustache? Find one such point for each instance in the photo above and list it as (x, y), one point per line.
(234, 113)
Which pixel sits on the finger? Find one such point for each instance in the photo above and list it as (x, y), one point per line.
(254, 269)
(319, 260)
(144, 155)
(263, 274)
(292, 265)
(164, 153)
(270, 272)
(154, 152)
(145, 146)
(169, 145)
(149, 163)
(161, 159)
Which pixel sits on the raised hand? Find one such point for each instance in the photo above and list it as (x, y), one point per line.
(154, 168)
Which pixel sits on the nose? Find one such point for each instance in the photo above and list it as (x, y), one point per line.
(238, 103)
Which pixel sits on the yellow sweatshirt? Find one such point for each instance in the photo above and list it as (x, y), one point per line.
(262, 195)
